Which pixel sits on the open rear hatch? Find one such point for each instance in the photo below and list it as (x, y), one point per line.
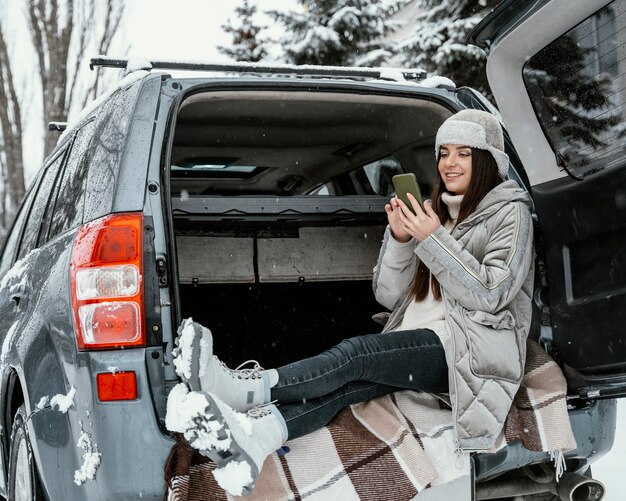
(558, 72)
(277, 199)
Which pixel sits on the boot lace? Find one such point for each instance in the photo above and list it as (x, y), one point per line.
(260, 411)
(253, 372)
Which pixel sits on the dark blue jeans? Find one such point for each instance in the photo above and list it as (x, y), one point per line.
(312, 391)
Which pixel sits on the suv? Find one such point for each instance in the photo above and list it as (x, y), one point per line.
(254, 204)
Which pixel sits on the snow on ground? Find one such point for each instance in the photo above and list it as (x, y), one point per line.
(610, 469)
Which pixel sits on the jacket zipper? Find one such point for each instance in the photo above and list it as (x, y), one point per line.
(455, 402)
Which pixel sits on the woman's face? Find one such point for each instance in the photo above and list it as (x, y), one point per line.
(455, 167)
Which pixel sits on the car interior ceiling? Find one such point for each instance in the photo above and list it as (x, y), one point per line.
(273, 293)
(314, 136)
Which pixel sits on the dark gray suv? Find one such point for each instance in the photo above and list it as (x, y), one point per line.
(254, 204)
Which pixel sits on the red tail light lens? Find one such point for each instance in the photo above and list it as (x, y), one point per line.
(117, 244)
(116, 386)
(110, 322)
(107, 285)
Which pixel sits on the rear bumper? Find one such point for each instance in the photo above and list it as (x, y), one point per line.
(132, 447)
(594, 430)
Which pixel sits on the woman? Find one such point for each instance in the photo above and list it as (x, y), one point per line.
(458, 279)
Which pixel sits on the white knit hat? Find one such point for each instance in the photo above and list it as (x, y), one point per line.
(476, 129)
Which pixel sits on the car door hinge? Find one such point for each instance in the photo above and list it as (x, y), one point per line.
(546, 318)
(543, 271)
(161, 268)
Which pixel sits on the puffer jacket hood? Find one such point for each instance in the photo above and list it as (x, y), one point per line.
(485, 268)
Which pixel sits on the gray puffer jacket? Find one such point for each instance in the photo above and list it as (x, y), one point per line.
(485, 268)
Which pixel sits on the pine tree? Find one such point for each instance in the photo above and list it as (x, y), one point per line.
(573, 103)
(438, 43)
(246, 46)
(337, 32)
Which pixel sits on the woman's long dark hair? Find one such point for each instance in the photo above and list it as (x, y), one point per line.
(484, 178)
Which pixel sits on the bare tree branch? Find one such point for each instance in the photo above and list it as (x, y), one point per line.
(10, 128)
(85, 24)
(65, 40)
(61, 33)
(34, 10)
(114, 16)
(4, 216)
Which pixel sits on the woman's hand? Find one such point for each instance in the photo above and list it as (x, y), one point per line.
(421, 224)
(398, 231)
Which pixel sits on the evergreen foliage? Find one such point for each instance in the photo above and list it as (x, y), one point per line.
(337, 32)
(245, 46)
(438, 42)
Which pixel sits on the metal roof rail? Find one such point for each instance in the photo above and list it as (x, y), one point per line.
(395, 74)
(58, 126)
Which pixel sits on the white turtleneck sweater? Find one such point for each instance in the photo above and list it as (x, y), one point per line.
(430, 313)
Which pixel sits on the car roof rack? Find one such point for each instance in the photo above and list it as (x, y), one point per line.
(134, 64)
(58, 126)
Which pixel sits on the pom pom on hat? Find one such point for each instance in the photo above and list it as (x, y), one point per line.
(476, 129)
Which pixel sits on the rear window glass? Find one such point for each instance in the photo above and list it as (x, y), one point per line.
(68, 209)
(10, 246)
(577, 85)
(33, 223)
(371, 179)
(104, 155)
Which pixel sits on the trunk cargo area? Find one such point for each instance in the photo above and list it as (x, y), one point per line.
(278, 296)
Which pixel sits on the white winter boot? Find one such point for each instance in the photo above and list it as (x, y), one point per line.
(237, 443)
(241, 389)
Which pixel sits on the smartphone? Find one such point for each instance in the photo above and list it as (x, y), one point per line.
(407, 183)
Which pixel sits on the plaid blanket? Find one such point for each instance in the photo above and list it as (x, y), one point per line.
(398, 447)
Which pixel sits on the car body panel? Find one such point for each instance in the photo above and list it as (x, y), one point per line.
(38, 347)
(131, 183)
(106, 425)
(594, 430)
(46, 362)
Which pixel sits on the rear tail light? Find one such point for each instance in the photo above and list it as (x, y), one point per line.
(107, 284)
